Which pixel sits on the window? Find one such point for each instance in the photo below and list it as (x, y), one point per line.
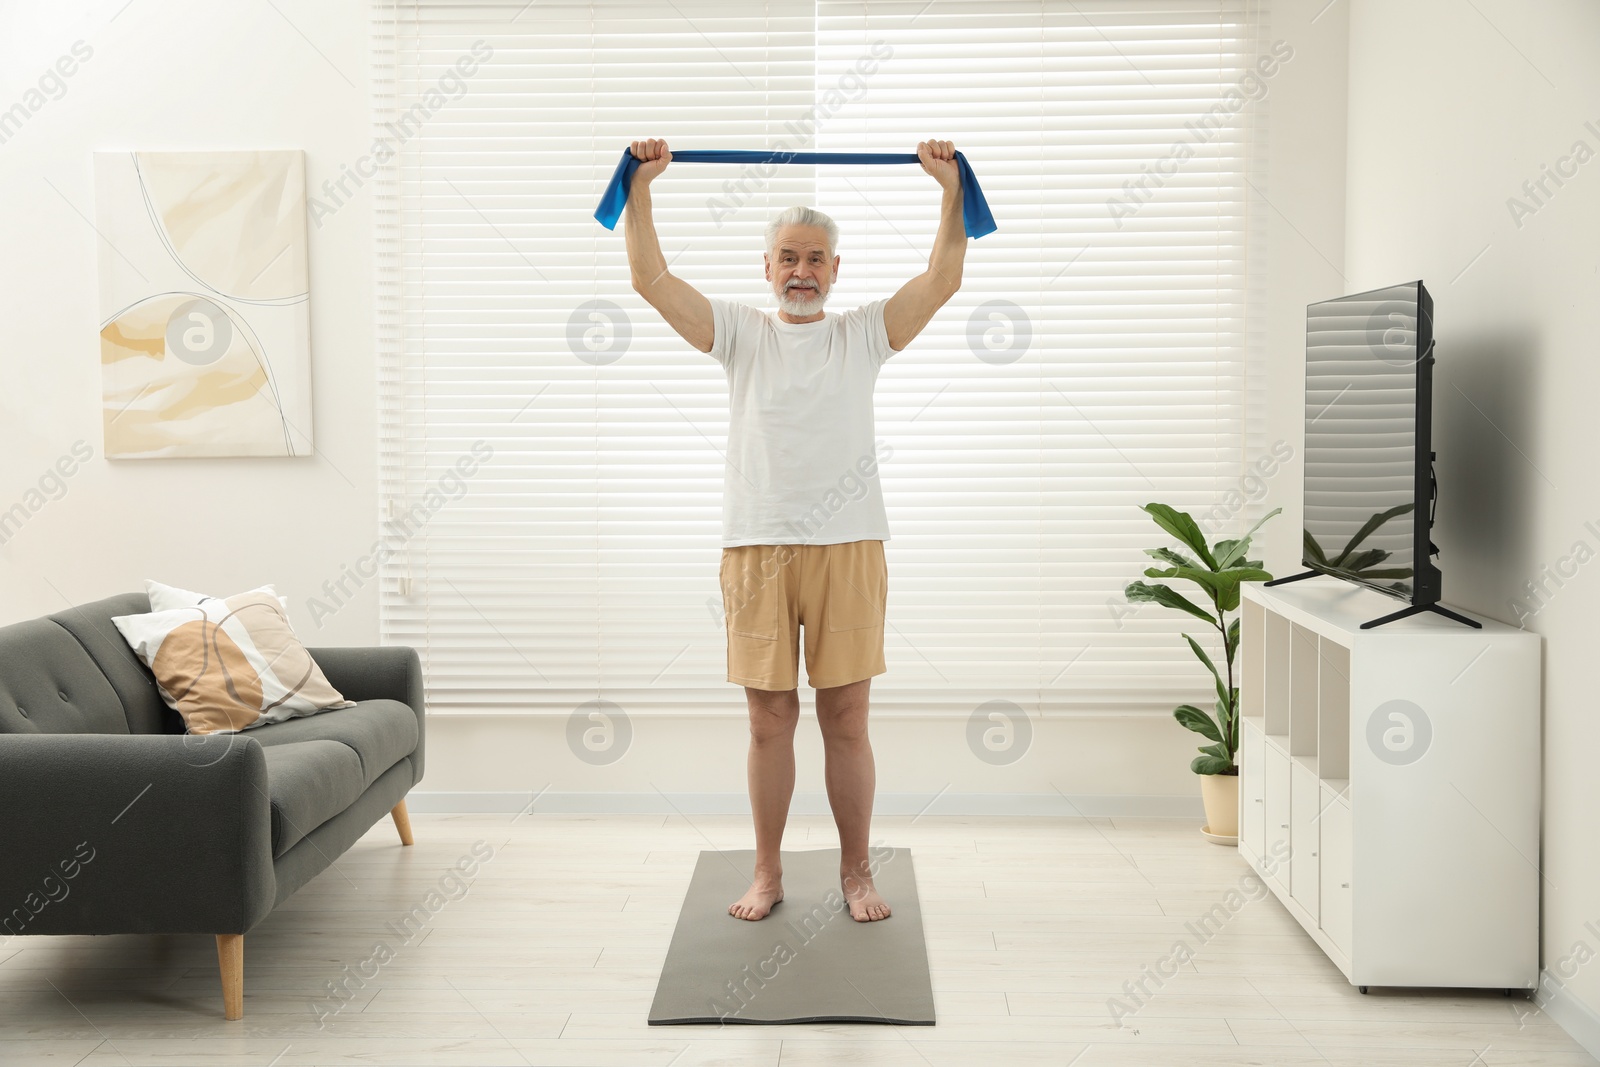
(552, 452)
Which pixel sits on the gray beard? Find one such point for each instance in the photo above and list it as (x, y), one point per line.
(802, 308)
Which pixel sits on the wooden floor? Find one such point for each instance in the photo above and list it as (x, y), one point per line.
(552, 953)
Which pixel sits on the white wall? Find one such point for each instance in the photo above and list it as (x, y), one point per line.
(174, 74)
(1304, 214)
(1451, 110)
(171, 74)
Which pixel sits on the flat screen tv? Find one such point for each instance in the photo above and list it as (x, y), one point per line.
(1368, 455)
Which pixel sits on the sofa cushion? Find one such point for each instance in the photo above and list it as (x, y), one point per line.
(50, 685)
(91, 624)
(381, 732)
(308, 783)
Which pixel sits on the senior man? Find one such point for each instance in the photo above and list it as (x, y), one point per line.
(803, 522)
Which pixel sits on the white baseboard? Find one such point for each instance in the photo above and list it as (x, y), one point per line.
(1570, 1013)
(1105, 806)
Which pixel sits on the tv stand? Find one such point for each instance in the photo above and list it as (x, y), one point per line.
(1414, 609)
(1418, 609)
(1389, 786)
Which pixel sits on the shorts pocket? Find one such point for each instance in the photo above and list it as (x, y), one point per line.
(751, 599)
(858, 586)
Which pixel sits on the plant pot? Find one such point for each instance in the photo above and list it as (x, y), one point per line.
(1221, 795)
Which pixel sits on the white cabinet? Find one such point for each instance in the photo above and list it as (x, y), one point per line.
(1252, 814)
(1389, 784)
(1334, 870)
(1305, 817)
(1275, 788)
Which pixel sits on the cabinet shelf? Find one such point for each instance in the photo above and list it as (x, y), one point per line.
(1353, 747)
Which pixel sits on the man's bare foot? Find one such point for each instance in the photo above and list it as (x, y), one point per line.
(865, 904)
(763, 893)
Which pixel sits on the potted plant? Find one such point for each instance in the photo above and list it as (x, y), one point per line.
(1218, 570)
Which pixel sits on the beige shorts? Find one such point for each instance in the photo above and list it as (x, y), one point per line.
(837, 592)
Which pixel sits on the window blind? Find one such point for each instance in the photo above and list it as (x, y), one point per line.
(551, 451)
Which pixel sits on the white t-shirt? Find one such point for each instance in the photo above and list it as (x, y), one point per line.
(802, 462)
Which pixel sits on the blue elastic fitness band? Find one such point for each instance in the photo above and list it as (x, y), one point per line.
(974, 208)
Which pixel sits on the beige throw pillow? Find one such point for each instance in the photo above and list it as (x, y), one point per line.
(228, 664)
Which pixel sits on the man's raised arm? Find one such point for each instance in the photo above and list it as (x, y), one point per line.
(683, 306)
(913, 307)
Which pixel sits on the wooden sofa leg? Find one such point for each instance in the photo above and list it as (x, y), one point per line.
(402, 822)
(230, 958)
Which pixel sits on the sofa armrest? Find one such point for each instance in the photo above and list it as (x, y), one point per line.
(378, 672)
(133, 833)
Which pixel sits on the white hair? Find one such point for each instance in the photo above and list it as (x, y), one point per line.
(800, 215)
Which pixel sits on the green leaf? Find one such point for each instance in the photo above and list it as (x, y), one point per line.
(1197, 720)
(1206, 579)
(1235, 549)
(1212, 667)
(1237, 576)
(1177, 558)
(1211, 765)
(1370, 525)
(1313, 550)
(1223, 586)
(1229, 716)
(1232, 644)
(1181, 524)
(1222, 549)
(1218, 750)
(1364, 560)
(1162, 594)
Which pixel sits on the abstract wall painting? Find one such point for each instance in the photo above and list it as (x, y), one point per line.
(205, 329)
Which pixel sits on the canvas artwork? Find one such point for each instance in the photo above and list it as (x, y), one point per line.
(205, 331)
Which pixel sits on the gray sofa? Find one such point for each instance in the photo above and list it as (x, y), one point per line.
(113, 820)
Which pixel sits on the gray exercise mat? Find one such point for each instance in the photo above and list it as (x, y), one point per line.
(807, 961)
